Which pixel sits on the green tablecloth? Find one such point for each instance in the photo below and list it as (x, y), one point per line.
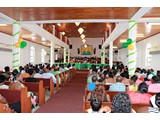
(84, 65)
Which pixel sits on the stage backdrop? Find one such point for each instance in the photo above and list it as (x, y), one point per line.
(86, 51)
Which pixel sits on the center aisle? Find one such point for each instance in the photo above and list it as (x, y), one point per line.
(69, 99)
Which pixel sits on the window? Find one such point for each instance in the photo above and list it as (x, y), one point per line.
(43, 53)
(148, 56)
(32, 54)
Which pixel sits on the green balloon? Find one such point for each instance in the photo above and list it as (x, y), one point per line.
(129, 41)
(23, 44)
(125, 45)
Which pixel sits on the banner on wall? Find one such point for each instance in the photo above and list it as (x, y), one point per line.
(86, 51)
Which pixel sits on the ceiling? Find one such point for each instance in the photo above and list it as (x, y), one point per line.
(91, 30)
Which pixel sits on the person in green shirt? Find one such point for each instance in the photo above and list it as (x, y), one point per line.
(94, 73)
(7, 71)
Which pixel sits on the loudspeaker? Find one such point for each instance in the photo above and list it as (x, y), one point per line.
(78, 50)
(55, 50)
(100, 46)
(116, 51)
(70, 46)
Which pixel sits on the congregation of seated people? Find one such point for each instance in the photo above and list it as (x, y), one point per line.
(140, 88)
(28, 73)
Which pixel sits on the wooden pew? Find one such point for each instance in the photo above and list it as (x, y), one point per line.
(48, 84)
(21, 96)
(112, 93)
(86, 105)
(37, 87)
(4, 109)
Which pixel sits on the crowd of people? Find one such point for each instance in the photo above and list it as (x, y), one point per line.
(28, 73)
(134, 89)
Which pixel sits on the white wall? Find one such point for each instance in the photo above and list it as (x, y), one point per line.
(141, 54)
(77, 42)
(6, 57)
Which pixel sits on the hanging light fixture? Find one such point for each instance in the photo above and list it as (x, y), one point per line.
(80, 30)
(83, 40)
(77, 23)
(85, 46)
(82, 36)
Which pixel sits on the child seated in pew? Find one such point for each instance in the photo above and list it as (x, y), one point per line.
(2, 81)
(99, 93)
(121, 104)
(95, 105)
(155, 103)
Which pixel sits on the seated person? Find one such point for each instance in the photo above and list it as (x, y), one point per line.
(118, 86)
(138, 81)
(95, 105)
(148, 81)
(25, 74)
(155, 86)
(7, 72)
(92, 86)
(125, 80)
(94, 73)
(37, 74)
(121, 104)
(16, 76)
(111, 78)
(133, 86)
(31, 78)
(2, 81)
(141, 96)
(47, 74)
(99, 93)
(155, 103)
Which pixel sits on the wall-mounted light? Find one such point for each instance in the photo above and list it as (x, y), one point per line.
(80, 30)
(140, 35)
(77, 23)
(123, 40)
(63, 33)
(59, 24)
(82, 36)
(43, 39)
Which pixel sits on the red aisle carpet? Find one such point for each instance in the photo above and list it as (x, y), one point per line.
(69, 98)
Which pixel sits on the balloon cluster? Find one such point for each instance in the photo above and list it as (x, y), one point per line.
(20, 43)
(128, 44)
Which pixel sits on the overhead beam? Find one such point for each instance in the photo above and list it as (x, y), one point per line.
(122, 27)
(43, 33)
(37, 30)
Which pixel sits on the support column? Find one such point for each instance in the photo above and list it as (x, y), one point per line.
(61, 36)
(68, 55)
(16, 50)
(132, 54)
(52, 61)
(64, 55)
(111, 54)
(103, 56)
